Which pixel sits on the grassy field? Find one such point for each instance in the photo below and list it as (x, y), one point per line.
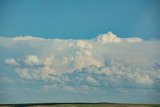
(82, 105)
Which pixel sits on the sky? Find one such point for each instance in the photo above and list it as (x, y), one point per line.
(79, 51)
(82, 19)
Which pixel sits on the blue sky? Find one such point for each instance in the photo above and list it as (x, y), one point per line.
(122, 66)
(79, 18)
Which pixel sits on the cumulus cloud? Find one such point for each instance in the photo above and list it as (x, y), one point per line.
(106, 60)
(32, 60)
(112, 38)
(24, 73)
(11, 61)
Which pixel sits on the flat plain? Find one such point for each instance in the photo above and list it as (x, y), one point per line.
(80, 105)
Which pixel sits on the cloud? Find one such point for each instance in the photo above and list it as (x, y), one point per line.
(143, 79)
(104, 61)
(91, 80)
(26, 38)
(32, 60)
(81, 44)
(112, 38)
(24, 73)
(11, 61)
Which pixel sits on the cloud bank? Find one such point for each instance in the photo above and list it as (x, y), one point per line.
(105, 62)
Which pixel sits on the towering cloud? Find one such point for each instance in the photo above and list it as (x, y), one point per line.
(104, 62)
(112, 38)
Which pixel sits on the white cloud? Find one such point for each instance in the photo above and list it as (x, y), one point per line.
(11, 61)
(117, 59)
(32, 60)
(143, 79)
(81, 44)
(91, 80)
(24, 73)
(112, 38)
(108, 38)
(133, 40)
(85, 61)
(24, 38)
